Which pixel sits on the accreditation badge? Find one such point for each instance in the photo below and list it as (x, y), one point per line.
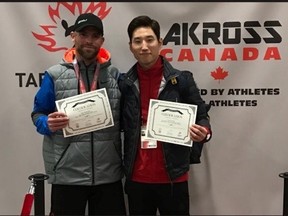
(147, 143)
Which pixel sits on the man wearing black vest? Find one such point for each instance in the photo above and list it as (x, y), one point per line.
(156, 175)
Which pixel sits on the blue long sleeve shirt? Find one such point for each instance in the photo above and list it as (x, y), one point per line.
(44, 103)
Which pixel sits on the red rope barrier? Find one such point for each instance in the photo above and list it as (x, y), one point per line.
(28, 200)
(27, 204)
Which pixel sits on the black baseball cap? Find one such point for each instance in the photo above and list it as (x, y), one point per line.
(88, 19)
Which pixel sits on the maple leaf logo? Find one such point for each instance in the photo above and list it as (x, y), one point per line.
(219, 74)
(57, 14)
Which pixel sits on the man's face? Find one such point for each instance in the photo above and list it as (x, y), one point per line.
(87, 43)
(145, 46)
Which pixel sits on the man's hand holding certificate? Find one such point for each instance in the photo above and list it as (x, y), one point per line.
(86, 112)
(170, 122)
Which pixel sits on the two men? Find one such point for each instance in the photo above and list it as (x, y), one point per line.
(88, 167)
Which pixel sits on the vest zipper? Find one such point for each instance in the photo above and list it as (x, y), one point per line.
(92, 157)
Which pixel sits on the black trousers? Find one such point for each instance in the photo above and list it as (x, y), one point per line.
(168, 199)
(105, 199)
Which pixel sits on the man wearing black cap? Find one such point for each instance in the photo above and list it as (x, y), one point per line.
(86, 168)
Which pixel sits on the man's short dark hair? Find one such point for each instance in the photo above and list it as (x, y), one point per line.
(143, 21)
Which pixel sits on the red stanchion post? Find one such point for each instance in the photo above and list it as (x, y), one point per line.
(35, 196)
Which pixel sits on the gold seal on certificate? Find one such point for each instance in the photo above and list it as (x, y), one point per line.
(170, 121)
(87, 112)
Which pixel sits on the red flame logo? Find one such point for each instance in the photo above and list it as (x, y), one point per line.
(47, 38)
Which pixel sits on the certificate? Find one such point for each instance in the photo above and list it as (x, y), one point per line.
(87, 112)
(170, 121)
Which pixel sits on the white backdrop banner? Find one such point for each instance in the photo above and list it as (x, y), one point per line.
(237, 53)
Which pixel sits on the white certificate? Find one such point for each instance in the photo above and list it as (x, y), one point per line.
(87, 112)
(170, 121)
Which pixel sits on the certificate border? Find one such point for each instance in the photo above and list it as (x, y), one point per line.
(101, 93)
(188, 108)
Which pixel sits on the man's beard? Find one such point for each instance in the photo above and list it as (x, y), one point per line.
(87, 55)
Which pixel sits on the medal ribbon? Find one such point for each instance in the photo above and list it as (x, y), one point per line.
(79, 77)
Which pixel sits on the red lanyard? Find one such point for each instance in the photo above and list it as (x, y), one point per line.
(79, 77)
